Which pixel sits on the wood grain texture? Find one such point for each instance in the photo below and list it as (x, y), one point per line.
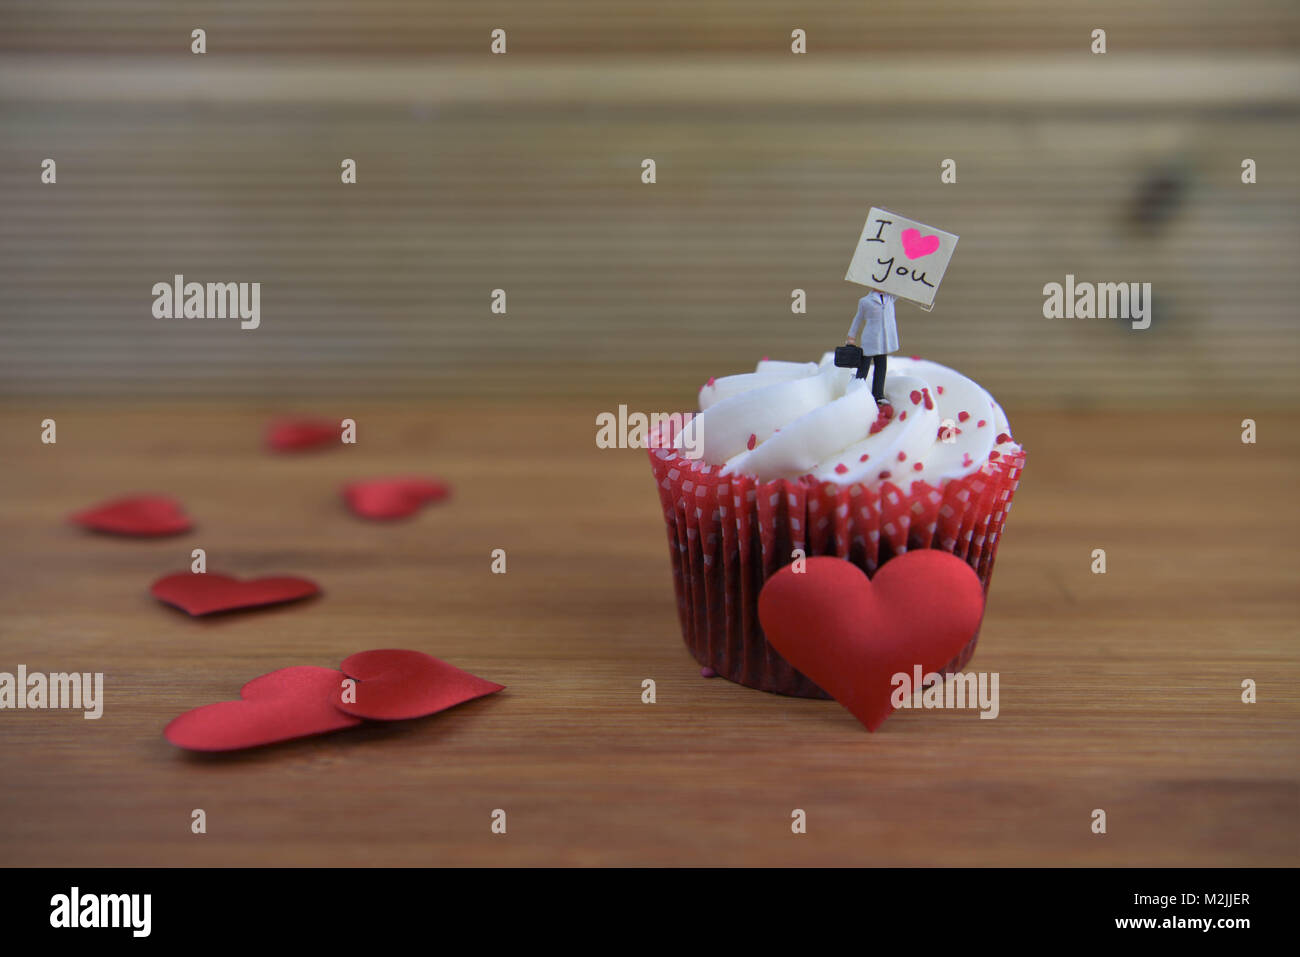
(1118, 691)
(523, 174)
(425, 27)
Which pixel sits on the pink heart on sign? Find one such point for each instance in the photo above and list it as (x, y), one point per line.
(915, 245)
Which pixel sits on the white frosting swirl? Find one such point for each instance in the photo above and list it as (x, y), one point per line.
(789, 419)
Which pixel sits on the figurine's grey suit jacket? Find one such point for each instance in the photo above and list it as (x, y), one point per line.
(874, 324)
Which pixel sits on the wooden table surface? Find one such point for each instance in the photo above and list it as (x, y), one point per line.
(1118, 691)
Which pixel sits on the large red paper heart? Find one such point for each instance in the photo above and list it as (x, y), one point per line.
(208, 593)
(296, 435)
(393, 497)
(288, 703)
(392, 685)
(851, 635)
(139, 515)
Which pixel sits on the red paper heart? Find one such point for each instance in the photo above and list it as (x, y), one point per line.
(288, 703)
(394, 497)
(296, 435)
(851, 635)
(208, 593)
(140, 515)
(392, 685)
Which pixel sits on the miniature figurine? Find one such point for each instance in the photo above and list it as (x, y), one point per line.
(872, 337)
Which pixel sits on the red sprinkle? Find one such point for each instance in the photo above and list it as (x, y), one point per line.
(917, 358)
(966, 460)
(940, 388)
(766, 359)
(917, 467)
(902, 456)
(902, 415)
(865, 456)
(993, 455)
(915, 397)
(929, 402)
(884, 475)
(884, 416)
(963, 416)
(841, 469)
(711, 381)
(1003, 437)
(980, 424)
(753, 440)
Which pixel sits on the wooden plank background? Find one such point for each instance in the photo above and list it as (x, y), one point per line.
(419, 27)
(525, 175)
(522, 172)
(1119, 691)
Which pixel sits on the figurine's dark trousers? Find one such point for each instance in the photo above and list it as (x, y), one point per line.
(878, 378)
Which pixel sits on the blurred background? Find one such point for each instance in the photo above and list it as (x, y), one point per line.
(523, 172)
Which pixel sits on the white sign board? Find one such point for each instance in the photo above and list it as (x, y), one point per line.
(902, 257)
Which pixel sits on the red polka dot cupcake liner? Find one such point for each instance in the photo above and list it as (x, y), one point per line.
(728, 534)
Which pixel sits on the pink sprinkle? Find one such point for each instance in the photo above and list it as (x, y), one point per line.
(841, 469)
(940, 388)
(915, 397)
(902, 416)
(865, 456)
(766, 359)
(963, 416)
(884, 475)
(980, 424)
(1003, 437)
(917, 467)
(966, 460)
(711, 380)
(916, 358)
(753, 440)
(902, 456)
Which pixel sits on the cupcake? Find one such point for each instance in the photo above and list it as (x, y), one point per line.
(797, 459)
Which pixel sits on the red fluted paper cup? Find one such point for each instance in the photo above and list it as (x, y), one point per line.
(727, 534)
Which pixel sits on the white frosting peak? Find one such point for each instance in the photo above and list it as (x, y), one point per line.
(789, 419)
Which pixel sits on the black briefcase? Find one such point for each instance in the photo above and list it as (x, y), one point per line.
(848, 357)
